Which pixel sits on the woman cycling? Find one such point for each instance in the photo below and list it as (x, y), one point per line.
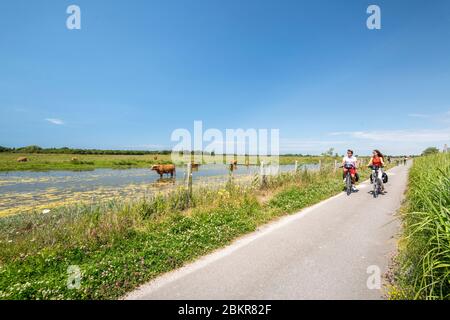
(377, 160)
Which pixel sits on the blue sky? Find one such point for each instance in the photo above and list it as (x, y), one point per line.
(137, 70)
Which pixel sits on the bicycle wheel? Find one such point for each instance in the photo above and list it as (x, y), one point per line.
(375, 188)
(348, 184)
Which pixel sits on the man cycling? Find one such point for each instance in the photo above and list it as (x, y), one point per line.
(377, 160)
(349, 164)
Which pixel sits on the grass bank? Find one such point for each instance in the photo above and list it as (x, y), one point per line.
(48, 162)
(422, 268)
(79, 162)
(119, 245)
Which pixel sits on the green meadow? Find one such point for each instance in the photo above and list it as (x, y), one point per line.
(78, 162)
(47, 162)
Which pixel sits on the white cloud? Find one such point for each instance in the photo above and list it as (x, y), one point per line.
(307, 145)
(425, 135)
(435, 117)
(396, 141)
(419, 115)
(57, 122)
(146, 146)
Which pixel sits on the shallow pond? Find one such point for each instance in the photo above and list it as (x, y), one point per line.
(23, 190)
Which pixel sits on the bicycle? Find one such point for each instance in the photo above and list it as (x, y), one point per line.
(375, 181)
(348, 179)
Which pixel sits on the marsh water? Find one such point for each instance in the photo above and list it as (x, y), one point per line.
(24, 190)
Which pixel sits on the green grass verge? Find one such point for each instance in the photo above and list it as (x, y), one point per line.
(422, 267)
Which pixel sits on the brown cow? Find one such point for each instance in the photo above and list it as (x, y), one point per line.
(195, 165)
(233, 165)
(164, 169)
(22, 159)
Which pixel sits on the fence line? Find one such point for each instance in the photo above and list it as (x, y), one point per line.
(265, 170)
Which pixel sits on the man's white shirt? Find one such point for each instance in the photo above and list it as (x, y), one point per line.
(350, 160)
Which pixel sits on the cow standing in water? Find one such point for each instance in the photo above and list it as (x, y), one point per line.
(162, 169)
(233, 165)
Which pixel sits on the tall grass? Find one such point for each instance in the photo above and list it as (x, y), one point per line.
(424, 259)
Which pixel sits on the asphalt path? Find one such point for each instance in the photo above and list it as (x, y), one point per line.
(337, 249)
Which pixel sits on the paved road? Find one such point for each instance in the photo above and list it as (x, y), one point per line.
(322, 252)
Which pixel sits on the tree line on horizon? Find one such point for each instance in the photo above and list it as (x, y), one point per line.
(66, 150)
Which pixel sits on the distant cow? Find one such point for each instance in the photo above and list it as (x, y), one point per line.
(164, 169)
(22, 159)
(195, 166)
(74, 159)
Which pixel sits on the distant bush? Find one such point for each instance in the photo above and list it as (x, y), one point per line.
(429, 151)
(124, 163)
(77, 161)
(30, 149)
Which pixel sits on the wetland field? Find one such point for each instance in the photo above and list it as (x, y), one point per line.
(47, 181)
(122, 227)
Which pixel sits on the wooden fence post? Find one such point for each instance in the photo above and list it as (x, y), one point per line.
(335, 166)
(296, 166)
(262, 174)
(320, 164)
(230, 173)
(189, 179)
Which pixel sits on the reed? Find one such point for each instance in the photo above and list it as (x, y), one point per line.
(423, 270)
